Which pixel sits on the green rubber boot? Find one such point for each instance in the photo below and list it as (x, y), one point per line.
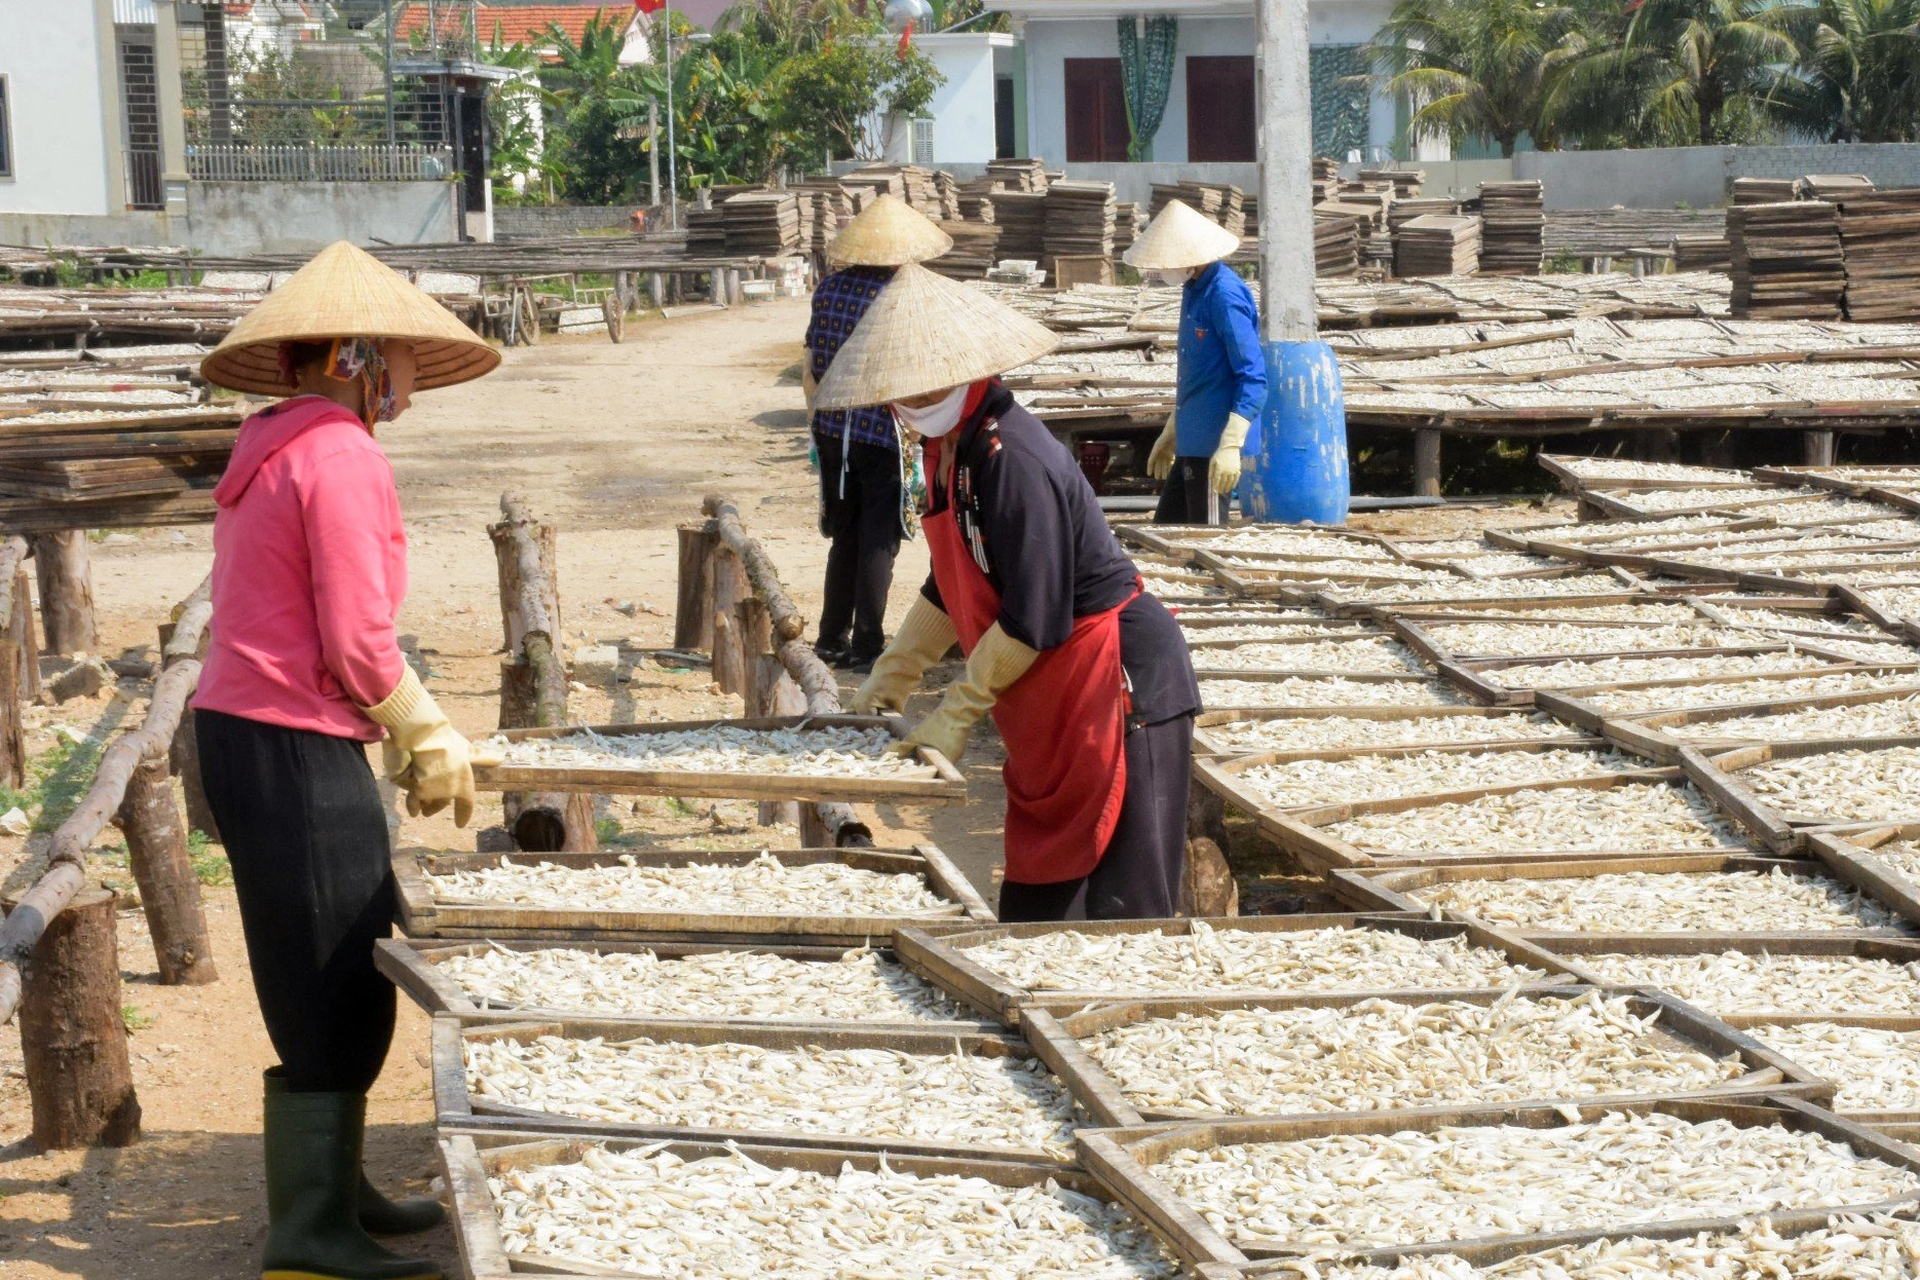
(313, 1187)
(379, 1215)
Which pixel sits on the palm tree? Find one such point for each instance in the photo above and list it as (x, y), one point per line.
(1476, 70)
(1857, 78)
(1677, 73)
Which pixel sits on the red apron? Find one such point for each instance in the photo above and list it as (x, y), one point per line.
(1064, 721)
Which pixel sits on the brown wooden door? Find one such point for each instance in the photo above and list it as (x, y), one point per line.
(1096, 111)
(1220, 116)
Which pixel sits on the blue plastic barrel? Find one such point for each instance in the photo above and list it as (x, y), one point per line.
(1300, 464)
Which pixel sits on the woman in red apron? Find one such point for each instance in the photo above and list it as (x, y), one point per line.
(1086, 676)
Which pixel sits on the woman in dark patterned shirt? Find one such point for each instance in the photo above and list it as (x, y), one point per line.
(861, 507)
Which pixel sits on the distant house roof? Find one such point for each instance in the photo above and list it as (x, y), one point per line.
(528, 24)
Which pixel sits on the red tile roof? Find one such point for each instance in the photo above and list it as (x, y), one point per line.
(526, 24)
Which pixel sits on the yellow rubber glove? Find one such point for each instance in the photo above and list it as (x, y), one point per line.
(995, 663)
(924, 637)
(1160, 461)
(1224, 471)
(424, 753)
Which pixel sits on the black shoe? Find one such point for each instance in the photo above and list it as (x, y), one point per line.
(379, 1215)
(313, 1145)
(858, 664)
(831, 654)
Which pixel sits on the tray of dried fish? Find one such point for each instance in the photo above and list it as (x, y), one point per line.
(1488, 1182)
(1230, 733)
(1202, 630)
(1779, 789)
(1517, 681)
(1624, 606)
(1562, 587)
(844, 897)
(1299, 781)
(1260, 690)
(1873, 713)
(1001, 970)
(1214, 1059)
(1874, 1247)
(1874, 1069)
(1608, 815)
(1281, 539)
(940, 1091)
(1590, 709)
(1635, 898)
(527, 1203)
(1739, 977)
(664, 982)
(1306, 655)
(780, 758)
(1469, 641)
(1578, 474)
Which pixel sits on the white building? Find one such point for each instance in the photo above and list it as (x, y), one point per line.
(1069, 100)
(970, 120)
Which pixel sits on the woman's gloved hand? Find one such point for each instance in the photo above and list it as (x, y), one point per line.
(924, 637)
(424, 754)
(1160, 460)
(995, 663)
(1223, 472)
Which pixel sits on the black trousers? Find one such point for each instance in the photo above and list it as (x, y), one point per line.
(1188, 494)
(301, 819)
(1139, 876)
(865, 527)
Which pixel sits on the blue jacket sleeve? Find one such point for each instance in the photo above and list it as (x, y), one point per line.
(1238, 323)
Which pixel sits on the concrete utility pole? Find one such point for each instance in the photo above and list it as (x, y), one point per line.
(1301, 466)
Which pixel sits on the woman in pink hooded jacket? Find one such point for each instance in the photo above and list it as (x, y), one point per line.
(303, 671)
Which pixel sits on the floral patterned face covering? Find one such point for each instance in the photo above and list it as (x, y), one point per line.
(356, 359)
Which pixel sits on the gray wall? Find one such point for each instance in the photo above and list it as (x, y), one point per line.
(254, 217)
(546, 221)
(1700, 176)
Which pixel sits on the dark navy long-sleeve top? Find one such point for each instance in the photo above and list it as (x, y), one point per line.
(1222, 369)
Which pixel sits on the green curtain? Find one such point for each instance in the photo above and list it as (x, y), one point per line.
(1146, 72)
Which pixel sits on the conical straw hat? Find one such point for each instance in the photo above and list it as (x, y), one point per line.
(888, 233)
(346, 292)
(927, 333)
(1180, 237)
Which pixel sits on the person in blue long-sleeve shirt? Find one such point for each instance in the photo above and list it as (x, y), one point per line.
(1223, 374)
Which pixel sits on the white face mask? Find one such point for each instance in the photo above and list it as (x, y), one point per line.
(1177, 276)
(937, 419)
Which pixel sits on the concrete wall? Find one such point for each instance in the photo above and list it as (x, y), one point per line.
(1049, 42)
(962, 108)
(61, 71)
(546, 221)
(1700, 176)
(252, 217)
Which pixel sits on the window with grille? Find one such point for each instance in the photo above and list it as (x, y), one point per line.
(923, 142)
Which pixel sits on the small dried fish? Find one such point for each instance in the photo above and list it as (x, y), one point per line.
(1743, 982)
(1718, 693)
(861, 986)
(1841, 786)
(1520, 640)
(1366, 654)
(1663, 902)
(868, 1093)
(654, 1213)
(1608, 671)
(1891, 718)
(1382, 1053)
(1630, 816)
(1214, 961)
(824, 751)
(1461, 1182)
(1328, 691)
(764, 884)
(1299, 783)
(1873, 1068)
(1314, 733)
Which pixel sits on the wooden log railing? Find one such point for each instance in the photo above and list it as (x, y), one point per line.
(59, 962)
(751, 619)
(533, 675)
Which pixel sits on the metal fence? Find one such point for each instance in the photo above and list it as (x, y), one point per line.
(366, 163)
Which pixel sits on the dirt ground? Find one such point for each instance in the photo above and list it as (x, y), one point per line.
(614, 445)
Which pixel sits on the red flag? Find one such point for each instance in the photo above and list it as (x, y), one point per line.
(906, 42)
(649, 6)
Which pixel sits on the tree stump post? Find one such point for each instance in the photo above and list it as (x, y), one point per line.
(71, 1034)
(169, 890)
(755, 628)
(1817, 447)
(775, 694)
(13, 740)
(693, 602)
(813, 829)
(1426, 462)
(729, 589)
(66, 591)
(25, 638)
(1207, 817)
